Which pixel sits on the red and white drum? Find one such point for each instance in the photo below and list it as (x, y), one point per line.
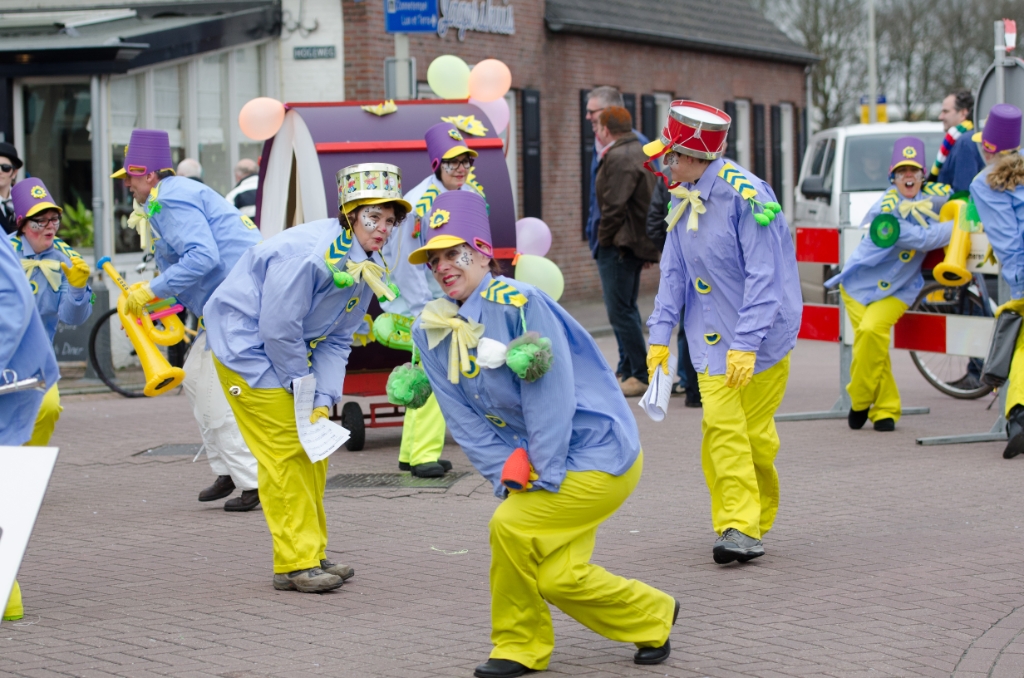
(693, 129)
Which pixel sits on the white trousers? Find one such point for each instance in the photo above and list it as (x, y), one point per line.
(225, 448)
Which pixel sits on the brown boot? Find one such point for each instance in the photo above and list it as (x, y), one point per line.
(343, 571)
(247, 501)
(313, 580)
(633, 387)
(222, 487)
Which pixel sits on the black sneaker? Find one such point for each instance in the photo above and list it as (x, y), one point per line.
(500, 668)
(857, 418)
(734, 545)
(1015, 432)
(886, 425)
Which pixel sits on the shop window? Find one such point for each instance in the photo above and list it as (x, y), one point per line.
(214, 154)
(247, 80)
(787, 142)
(739, 133)
(167, 104)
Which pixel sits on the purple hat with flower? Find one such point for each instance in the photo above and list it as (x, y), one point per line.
(30, 197)
(1002, 129)
(445, 141)
(457, 217)
(907, 152)
(149, 150)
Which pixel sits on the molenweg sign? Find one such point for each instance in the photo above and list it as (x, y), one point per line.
(325, 52)
(485, 16)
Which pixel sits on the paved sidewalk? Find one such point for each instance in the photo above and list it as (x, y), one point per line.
(887, 559)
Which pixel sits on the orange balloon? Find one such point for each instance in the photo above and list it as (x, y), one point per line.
(261, 118)
(489, 80)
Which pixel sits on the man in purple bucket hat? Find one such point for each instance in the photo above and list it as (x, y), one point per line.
(196, 237)
(451, 160)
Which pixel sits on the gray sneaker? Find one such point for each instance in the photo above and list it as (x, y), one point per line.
(734, 545)
(343, 571)
(313, 580)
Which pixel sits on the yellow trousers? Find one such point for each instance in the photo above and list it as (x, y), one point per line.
(871, 382)
(291, 486)
(422, 434)
(46, 420)
(14, 610)
(739, 447)
(1015, 381)
(541, 544)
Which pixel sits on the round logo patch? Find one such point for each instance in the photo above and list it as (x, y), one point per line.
(701, 286)
(38, 192)
(712, 338)
(884, 284)
(439, 218)
(454, 134)
(909, 152)
(352, 303)
(35, 286)
(495, 420)
(907, 255)
(474, 369)
(248, 222)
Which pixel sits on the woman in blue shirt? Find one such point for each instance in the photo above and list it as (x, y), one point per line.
(542, 537)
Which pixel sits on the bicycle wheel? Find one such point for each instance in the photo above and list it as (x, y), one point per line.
(945, 372)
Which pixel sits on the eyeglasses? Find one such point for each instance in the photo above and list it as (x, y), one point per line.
(452, 165)
(38, 225)
(593, 113)
(4, 167)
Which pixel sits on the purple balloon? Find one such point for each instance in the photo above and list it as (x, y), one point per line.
(532, 236)
(496, 111)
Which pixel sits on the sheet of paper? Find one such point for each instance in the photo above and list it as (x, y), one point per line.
(321, 439)
(655, 401)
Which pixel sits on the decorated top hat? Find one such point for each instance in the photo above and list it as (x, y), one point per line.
(1002, 129)
(693, 129)
(30, 197)
(458, 217)
(148, 150)
(444, 141)
(907, 152)
(369, 183)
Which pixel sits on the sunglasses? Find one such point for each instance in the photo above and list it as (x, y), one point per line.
(37, 225)
(452, 165)
(4, 167)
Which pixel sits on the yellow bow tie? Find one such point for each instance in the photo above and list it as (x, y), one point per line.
(919, 209)
(440, 318)
(373, 275)
(139, 220)
(49, 267)
(686, 198)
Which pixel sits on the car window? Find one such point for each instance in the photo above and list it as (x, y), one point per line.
(819, 157)
(826, 168)
(867, 158)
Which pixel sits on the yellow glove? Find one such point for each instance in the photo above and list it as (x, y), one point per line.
(529, 485)
(318, 414)
(739, 368)
(139, 295)
(367, 338)
(656, 355)
(78, 273)
(1015, 305)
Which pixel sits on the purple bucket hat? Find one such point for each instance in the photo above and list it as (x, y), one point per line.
(1002, 129)
(30, 197)
(149, 150)
(457, 217)
(907, 152)
(444, 141)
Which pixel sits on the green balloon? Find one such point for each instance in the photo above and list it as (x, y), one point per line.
(542, 273)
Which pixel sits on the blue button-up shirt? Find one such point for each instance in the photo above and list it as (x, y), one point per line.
(873, 273)
(1002, 213)
(198, 236)
(24, 348)
(278, 316)
(493, 412)
(67, 304)
(738, 281)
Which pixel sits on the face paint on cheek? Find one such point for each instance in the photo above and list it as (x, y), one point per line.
(671, 159)
(369, 216)
(465, 259)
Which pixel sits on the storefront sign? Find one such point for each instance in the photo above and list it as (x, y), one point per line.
(476, 15)
(410, 16)
(325, 52)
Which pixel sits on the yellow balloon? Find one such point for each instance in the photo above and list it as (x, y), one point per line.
(542, 273)
(448, 76)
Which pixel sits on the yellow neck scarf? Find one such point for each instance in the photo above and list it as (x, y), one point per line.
(919, 209)
(139, 220)
(49, 267)
(373, 275)
(686, 198)
(440, 318)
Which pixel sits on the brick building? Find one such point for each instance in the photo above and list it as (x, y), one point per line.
(652, 51)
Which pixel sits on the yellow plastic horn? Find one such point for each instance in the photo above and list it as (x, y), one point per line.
(952, 272)
(160, 376)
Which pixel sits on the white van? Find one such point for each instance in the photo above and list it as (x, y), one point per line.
(844, 171)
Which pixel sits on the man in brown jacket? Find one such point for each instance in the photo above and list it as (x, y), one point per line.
(624, 190)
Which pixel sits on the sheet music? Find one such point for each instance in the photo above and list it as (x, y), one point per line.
(321, 439)
(655, 401)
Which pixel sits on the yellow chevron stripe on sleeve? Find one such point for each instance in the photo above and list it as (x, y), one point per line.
(502, 293)
(738, 181)
(426, 201)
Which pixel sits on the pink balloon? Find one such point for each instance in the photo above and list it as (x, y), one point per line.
(261, 118)
(496, 111)
(532, 236)
(489, 80)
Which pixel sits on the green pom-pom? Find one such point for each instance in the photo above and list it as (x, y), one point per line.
(530, 356)
(343, 280)
(408, 386)
(769, 213)
(762, 219)
(773, 206)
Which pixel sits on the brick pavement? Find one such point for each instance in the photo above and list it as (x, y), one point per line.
(888, 559)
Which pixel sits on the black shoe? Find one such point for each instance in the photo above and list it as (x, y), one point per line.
(734, 545)
(500, 668)
(886, 425)
(856, 418)
(678, 388)
(404, 466)
(445, 464)
(968, 382)
(247, 501)
(652, 655)
(1015, 432)
(693, 403)
(431, 469)
(222, 487)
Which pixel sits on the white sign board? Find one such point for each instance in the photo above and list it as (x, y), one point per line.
(24, 475)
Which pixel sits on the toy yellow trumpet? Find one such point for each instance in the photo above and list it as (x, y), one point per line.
(952, 272)
(144, 335)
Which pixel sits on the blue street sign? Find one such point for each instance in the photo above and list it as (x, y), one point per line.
(410, 16)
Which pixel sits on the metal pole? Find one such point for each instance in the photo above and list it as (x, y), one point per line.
(97, 125)
(872, 65)
(402, 85)
(1000, 57)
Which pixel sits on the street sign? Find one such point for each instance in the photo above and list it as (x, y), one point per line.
(324, 52)
(410, 16)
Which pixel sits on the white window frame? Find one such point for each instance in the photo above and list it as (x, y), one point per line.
(741, 124)
(788, 144)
